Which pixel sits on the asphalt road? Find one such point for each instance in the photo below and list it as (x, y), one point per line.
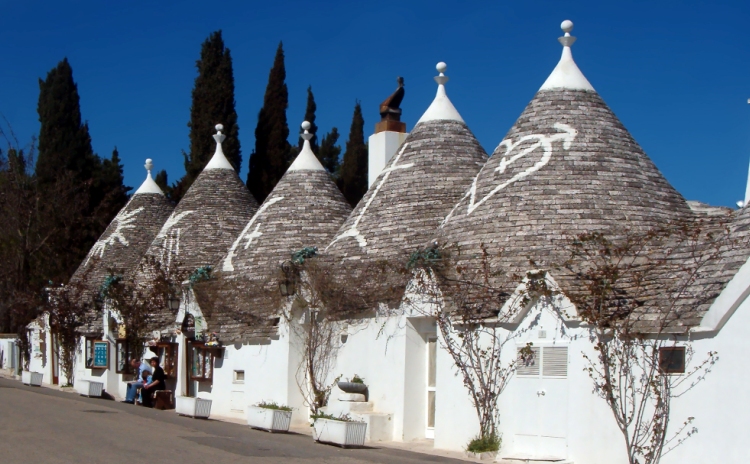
(41, 425)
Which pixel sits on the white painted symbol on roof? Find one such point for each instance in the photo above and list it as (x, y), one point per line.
(567, 136)
(227, 266)
(170, 237)
(353, 231)
(122, 222)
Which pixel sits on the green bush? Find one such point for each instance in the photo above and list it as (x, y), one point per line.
(280, 407)
(357, 379)
(322, 415)
(484, 444)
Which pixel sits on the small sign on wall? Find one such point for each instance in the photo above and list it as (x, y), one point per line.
(101, 355)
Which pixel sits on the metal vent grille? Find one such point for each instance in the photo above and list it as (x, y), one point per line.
(555, 361)
(529, 366)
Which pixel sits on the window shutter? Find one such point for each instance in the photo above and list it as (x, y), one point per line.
(555, 361)
(532, 366)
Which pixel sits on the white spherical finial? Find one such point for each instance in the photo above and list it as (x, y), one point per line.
(441, 67)
(306, 125)
(566, 26)
(149, 165)
(219, 127)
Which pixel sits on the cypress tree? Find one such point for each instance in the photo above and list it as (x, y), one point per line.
(270, 159)
(109, 185)
(161, 180)
(310, 117)
(329, 153)
(64, 143)
(353, 179)
(213, 103)
(67, 161)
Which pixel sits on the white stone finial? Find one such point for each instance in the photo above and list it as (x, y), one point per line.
(566, 74)
(306, 160)
(219, 161)
(218, 136)
(567, 39)
(441, 79)
(441, 107)
(306, 128)
(149, 186)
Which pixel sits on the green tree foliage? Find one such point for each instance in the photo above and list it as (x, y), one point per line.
(353, 179)
(213, 103)
(329, 153)
(64, 143)
(271, 157)
(163, 183)
(39, 224)
(65, 152)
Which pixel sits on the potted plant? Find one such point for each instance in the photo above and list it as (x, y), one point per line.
(355, 385)
(269, 416)
(196, 407)
(341, 430)
(484, 447)
(32, 378)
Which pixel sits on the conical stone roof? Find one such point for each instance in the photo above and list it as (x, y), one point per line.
(567, 166)
(421, 183)
(202, 227)
(125, 240)
(305, 209)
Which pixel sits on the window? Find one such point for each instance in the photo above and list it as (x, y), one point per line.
(672, 360)
(123, 352)
(201, 362)
(167, 353)
(88, 352)
(239, 376)
(546, 361)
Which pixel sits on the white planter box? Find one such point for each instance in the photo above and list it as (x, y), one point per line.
(273, 420)
(90, 388)
(193, 407)
(339, 432)
(487, 455)
(32, 378)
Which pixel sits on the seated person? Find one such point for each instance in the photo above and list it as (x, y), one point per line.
(146, 380)
(138, 381)
(158, 382)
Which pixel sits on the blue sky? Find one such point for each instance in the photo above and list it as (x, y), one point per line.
(675, 72)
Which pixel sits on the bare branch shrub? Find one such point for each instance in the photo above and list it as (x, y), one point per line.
(641, 293)
(466, 307)
(142, 303)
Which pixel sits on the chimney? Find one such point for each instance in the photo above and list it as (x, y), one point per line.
(389, 134)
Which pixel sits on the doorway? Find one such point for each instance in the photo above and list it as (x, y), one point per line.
(541, 392)
(55, 357)
(431, 386)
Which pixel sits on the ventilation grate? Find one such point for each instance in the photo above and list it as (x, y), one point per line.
(555, 361)
(529, 366)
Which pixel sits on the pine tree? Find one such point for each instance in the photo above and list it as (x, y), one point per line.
(270, 159)
(213, 103)
(353, 179)
(329, 153)
(310, 117)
